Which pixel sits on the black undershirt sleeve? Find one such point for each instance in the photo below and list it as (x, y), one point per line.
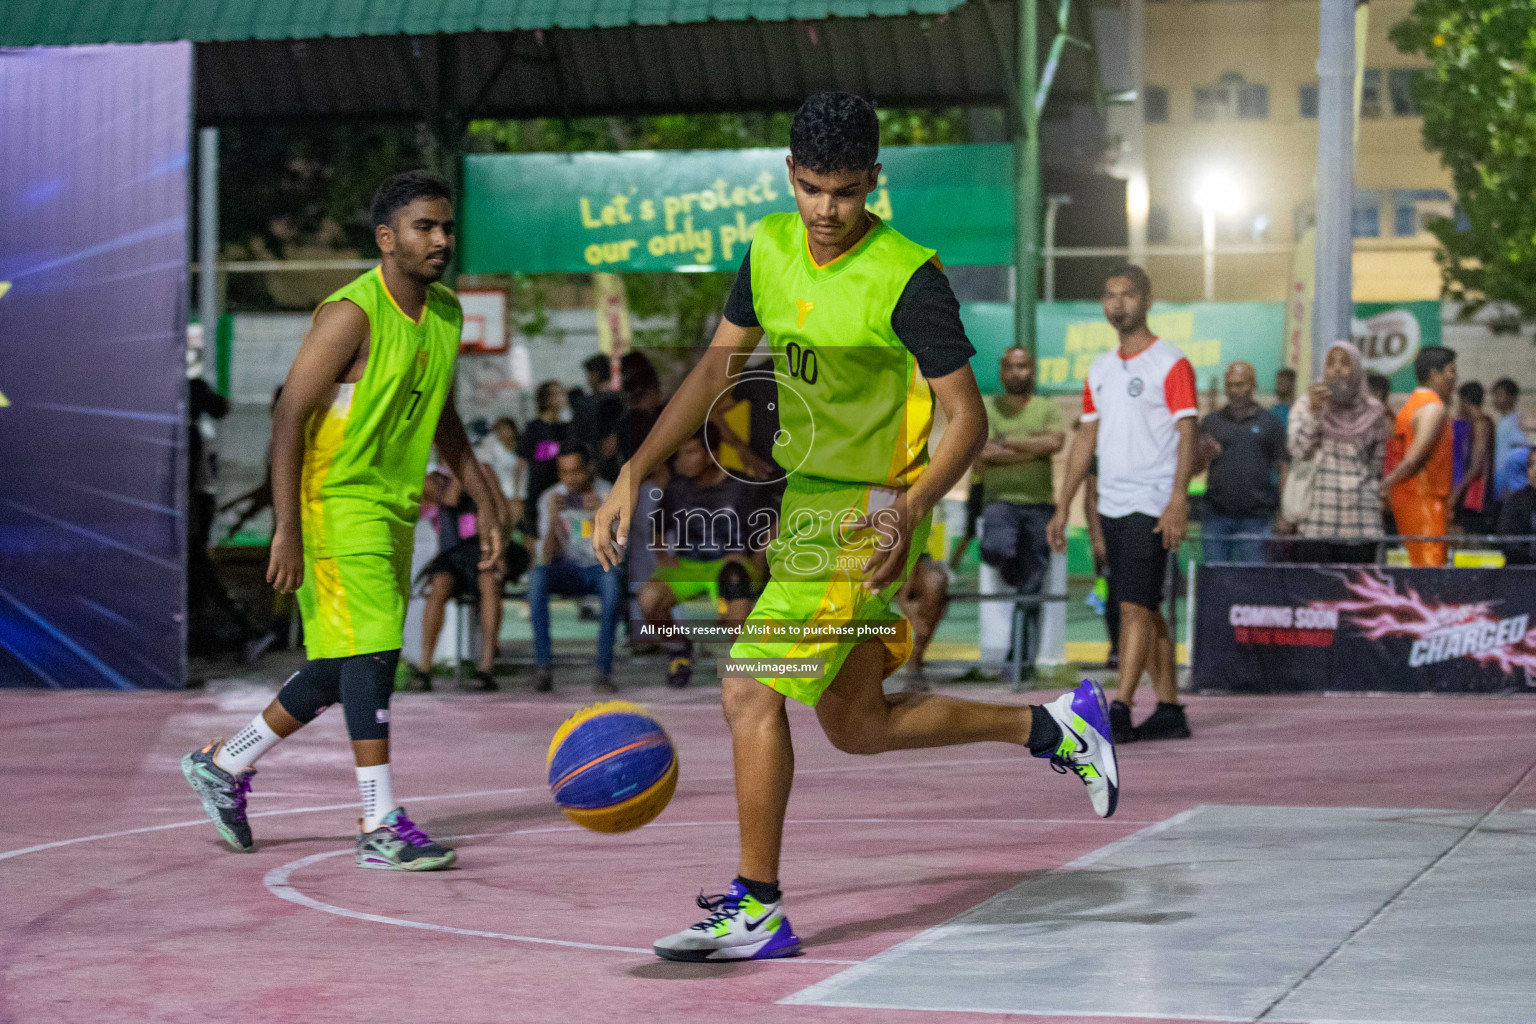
(927, 320)
(738, 307)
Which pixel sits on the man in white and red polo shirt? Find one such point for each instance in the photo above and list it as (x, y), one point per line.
(1139, 417)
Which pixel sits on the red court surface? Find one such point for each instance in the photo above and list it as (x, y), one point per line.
(118, 902)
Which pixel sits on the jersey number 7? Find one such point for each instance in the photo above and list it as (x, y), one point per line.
(415, 401)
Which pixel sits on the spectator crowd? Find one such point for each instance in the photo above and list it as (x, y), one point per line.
(1326, 473)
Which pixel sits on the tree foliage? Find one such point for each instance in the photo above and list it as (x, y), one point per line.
(1479, 105)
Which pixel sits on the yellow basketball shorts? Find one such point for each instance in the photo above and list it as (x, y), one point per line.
(354, 604)
(815, 580)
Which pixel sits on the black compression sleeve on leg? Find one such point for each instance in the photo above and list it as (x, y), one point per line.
(367, 682)
(312, 689)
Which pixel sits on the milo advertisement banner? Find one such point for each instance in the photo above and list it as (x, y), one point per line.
(1390, 334)
(1212, 335)
(1277, 629)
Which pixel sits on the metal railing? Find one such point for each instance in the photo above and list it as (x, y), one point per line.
(1382, 544)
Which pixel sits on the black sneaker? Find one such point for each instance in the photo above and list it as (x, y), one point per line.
(1166, 723)
(482, 682)
(546, 681)
(399, 845)
(419, 682)
(1120, 722)
(679, 671)
(605, 684)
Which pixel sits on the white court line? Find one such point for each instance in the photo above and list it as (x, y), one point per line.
(277, 881)
(8, 854)
(822, 990)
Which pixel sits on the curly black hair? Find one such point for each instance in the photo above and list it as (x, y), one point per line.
(403, 189)
(835, 131)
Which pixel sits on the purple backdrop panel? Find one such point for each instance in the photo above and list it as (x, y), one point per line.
(93, 270)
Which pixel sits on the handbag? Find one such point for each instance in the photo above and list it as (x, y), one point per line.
(1296, 499)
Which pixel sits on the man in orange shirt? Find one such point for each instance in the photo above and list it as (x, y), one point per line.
(1418, 487)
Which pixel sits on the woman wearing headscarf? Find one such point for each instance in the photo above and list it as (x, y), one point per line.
(1340, 426)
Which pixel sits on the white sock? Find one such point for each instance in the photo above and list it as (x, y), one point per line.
(247, 745)
(378, 798)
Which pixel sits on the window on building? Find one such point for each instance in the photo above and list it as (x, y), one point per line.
(1307, 99)
(1157, 225)
(1370, 93)
(1253, 101)
(1463, 222)
(1413, 208)
(1155, 104)
(1231, 97)
(1400, 84)
(1206, 103)
(1365, 216)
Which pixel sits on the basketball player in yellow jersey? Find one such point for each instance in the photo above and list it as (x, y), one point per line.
(865, 334)
(368, 395)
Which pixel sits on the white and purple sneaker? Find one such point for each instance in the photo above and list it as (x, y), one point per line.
(1087, 746)
(739, 927)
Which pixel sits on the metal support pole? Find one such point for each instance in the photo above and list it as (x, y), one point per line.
(1052, 204)
(208, 237)
(1335, 177)
(1026, 193)
(1208, 243)
(1134, 159)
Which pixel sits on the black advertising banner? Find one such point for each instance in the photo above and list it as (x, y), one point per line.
(1279, 629)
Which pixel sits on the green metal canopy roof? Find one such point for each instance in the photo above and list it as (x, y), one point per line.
(70, 22)
(425, 59)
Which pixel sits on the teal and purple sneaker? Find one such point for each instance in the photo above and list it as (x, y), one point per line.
(1087, 746)
(223, 794)
(399, 845)
(739, 927)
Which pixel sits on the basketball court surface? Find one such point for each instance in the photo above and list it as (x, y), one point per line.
(1301, 859)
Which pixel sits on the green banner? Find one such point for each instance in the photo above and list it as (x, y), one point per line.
(698, 209)
(1212, 334)
(1071, 335)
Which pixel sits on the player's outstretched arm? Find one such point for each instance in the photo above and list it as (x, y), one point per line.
(332, 347)
(679, 421)
(454, 451)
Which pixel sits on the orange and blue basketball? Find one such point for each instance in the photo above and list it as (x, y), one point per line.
(612, 767)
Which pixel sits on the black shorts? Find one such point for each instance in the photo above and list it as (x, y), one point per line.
(462, 562)
(1138, 562)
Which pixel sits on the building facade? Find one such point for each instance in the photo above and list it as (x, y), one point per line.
(1231, 91)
